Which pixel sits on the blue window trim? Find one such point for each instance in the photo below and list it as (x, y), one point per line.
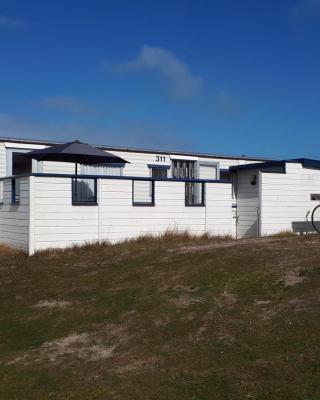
(144, 203)
(110, 177)
(159, 166)
(94, 202)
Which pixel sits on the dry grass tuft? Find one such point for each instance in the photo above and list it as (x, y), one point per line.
(166, 318)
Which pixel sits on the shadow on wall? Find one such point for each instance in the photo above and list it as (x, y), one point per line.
(248, 229)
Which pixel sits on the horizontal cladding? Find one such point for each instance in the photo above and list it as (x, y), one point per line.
(14, 218)
(59, 224)
(121, 220)
(286, 199)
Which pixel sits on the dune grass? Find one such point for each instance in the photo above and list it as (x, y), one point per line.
(173, 317)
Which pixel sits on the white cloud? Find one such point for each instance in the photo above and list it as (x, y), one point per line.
(182, 83)
(10, 23)
(305, 10)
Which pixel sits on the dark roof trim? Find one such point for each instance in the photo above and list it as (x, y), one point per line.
(305, 162)
(122, 177)
(158, 166)
(139, 150)
(259, 166)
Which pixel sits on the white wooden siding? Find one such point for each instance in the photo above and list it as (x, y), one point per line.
(218, 209)
(3, 160)
(52, 167)
(285, 198)
(247, 204)
(59, 224)
(14, 218)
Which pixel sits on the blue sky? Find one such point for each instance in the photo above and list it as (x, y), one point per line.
(231, 77)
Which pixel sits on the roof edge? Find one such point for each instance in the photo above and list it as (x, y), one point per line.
(139, 150)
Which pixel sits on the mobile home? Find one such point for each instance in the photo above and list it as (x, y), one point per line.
(153, 192)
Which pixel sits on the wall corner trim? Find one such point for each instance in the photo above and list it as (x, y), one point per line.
(31, 248)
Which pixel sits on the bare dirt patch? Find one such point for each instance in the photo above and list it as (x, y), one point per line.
(96, 346)
(226, 243)
(79, 346)
(52, 304)
(184, 301)
(128, 364)
(293, 277)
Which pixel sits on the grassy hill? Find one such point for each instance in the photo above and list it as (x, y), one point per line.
(163, 319)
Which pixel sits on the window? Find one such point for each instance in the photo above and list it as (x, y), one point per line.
(84, 191)
(103, 169)
(159, 171)
(15, 191)
(143, 193)
(182, 169)
(208, 170)
(20, 164)
(195, 194)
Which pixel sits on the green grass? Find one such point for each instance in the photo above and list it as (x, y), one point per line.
(174, 317)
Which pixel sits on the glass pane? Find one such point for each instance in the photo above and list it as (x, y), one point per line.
(84, 190)
(20, 164)
(142, 192)
(183, 169)
(194, 193)
(17, 190)
(102, 169)
(159, 173)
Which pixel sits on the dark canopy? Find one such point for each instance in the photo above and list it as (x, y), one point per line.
(75, 152)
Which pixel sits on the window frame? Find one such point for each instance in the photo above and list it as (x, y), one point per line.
(14, 186)
(144, 203)
(191, 166)
(203, 195)
(84, 203)
(215, 164)
(36, 166)
(161, 167)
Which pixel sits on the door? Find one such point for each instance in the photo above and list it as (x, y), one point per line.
(247, 204)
